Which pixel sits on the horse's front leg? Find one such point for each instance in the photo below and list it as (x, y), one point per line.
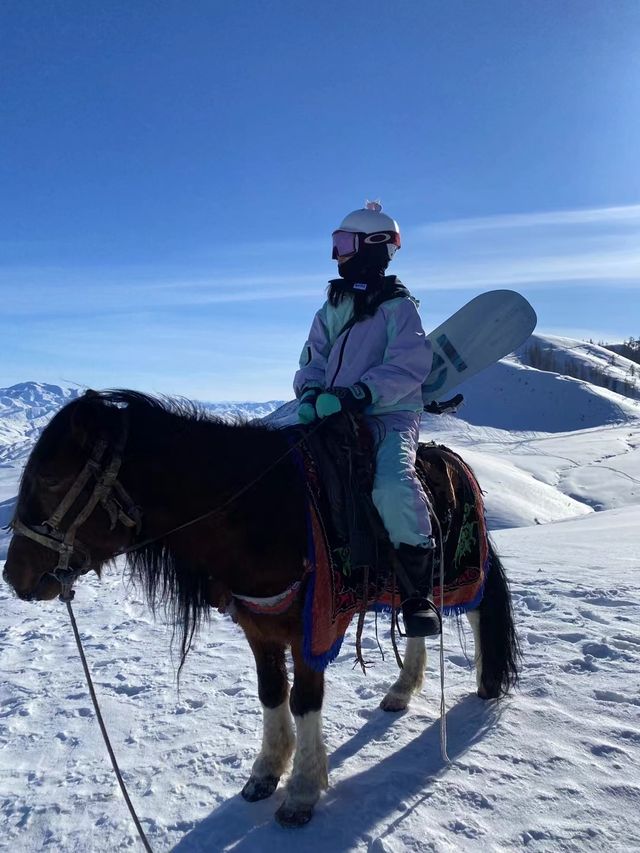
(278, 739)
(411, 676)
(309, 776)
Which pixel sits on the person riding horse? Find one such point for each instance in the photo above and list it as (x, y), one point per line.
(367, 354)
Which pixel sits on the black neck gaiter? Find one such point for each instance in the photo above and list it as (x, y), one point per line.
(366, 302)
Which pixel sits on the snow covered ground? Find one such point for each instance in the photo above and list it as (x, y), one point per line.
(552, 768)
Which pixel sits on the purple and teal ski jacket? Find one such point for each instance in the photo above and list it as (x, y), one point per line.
(388, 352)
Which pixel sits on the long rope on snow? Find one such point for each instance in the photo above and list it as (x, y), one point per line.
(103, 729)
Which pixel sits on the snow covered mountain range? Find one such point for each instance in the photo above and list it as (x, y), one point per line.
(554, 768)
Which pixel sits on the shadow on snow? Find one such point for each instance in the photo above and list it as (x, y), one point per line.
(358, 804)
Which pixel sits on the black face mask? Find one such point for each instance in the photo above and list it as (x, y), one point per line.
(368, 265)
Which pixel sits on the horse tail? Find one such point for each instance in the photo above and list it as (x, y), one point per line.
(499, 644)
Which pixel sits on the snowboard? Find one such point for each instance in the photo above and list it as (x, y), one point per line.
(482, 332)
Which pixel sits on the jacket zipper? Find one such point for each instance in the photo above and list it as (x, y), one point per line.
(342, 346)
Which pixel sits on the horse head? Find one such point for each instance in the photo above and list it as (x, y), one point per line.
(73, 513)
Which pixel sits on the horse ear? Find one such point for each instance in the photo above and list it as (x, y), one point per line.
(91, 419)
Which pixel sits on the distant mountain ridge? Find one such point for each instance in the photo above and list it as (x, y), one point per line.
(600, 365)
(27, 407)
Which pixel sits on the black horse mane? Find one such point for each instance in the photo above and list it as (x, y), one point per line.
(168, 580)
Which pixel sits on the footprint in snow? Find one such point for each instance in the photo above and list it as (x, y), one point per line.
(618, 698)
(572, 637)
(626, 642)
(535, 639)
(602, 597)
(466, 828)
(604, 651)
(191, 705)
(593, 617)
(627, 735)
(129, 691)
(532, 602)
(585, 664)
(606, 749)
(475, 799)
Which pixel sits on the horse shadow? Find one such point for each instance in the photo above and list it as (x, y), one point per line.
(392, 787)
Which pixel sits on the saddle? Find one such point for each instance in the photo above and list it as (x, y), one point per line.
(343, 454)
(349, 568)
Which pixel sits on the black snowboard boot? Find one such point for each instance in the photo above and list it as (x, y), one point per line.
(421, 616)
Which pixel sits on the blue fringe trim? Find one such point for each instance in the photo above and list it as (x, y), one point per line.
(456, 610)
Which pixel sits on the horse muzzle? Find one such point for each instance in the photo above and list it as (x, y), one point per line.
(29, 580)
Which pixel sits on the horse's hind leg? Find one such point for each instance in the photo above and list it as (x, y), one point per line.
(310, 770)
(277, 734)
(474, 620)
(411, 676)
(497, 651)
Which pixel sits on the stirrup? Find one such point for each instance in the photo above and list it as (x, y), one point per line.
(421, 618)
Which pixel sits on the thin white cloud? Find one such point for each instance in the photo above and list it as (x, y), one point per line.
(619, 269)
(590, 247)
(620, 216)
(585, 247)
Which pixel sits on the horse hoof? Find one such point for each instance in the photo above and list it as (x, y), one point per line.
(290, 816)
(259, 788)
(393, 702)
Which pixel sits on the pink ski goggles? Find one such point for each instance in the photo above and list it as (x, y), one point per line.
(347, 243)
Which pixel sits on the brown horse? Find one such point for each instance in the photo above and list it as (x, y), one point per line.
(119, 472)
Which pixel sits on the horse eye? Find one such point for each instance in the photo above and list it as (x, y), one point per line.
(51, 481)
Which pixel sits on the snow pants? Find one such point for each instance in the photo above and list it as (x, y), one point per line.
(397, 492)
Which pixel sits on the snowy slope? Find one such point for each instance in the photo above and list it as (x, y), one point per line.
(513, 396)
(535, 478)
(553, 768)
(584, 360)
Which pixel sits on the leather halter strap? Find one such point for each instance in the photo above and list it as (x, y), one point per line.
(119, 507)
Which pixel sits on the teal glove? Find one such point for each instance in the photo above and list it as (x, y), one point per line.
(354, 399)
(307, 408)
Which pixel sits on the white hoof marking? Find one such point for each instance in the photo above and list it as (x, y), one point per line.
(278, 741)
(411, 676)
(310, 767)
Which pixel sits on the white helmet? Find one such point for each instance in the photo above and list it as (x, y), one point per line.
(370, 221)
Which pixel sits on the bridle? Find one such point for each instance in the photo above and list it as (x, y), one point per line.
(107, 492)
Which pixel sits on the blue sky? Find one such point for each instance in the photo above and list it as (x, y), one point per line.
(171, 173)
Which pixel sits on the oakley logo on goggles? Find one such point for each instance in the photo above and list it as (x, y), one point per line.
(348, 242)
